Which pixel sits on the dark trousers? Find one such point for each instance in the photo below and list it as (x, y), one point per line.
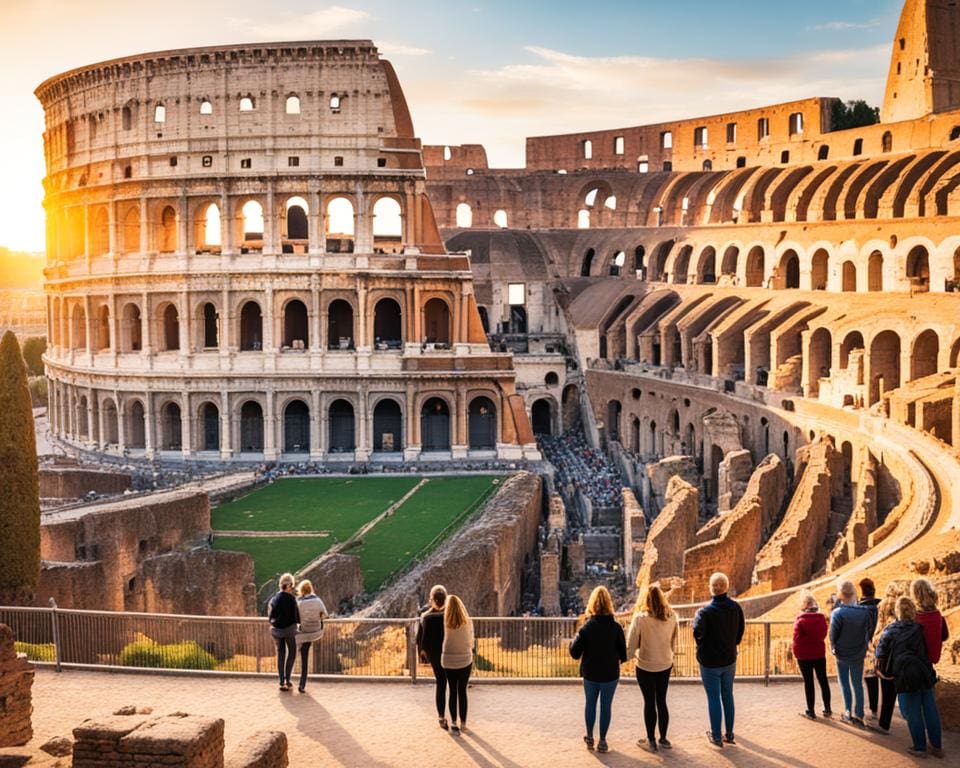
(457, 679)
(653, 686)
(286, 656)
(818, 667)
(888, 699)
(441, 686)
(304, 658)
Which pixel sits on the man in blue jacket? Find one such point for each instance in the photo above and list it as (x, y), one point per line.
(718, 629)
(851, 627)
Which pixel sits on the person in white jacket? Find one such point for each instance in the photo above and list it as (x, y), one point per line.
(651, 640)
(456, 658)
(312, 614)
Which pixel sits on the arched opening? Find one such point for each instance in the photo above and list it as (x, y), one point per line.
(100, 234)
(755, 267)
(886, 142)
(436, 322)
(136, 431)
(551, 379)
(293, 105)
(789, 272)
(296, 427)
(483, 424)
(518, 319)
(131, 231)
(132, 328)
(464, 216)
(614, 412)
(208, 229)
(583, 219)
(387, 325)
(78, 330)
(707, 266)
(387, 426)
(435, 425)
(587, 263)
(571, 406)
(170, 335)
(111, 426)
(296, 334)
(918, 268)
(387, 226)
(500, 218)
(875, 272)
(616, 263)
(209, 427)
(635, 435)
(821, 360)
(639, 262)
(340, 325)
(923, 358)
(251, 427)
(342, 429)
(82, 418)
(728, 266)
(168, 230)
(849, 277)
(251, 327)
(690, 442)
(884, 364)
(211, 325)
(103, 329)
(851, 342)
(541, 417)
(340, 225)
(682, 265)
(298, 226)
(955, 354)
(206, 107)
(252, 214)
(820, 270)
(652, 448)
(171, 428)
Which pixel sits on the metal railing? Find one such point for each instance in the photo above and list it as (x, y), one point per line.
(529, 648)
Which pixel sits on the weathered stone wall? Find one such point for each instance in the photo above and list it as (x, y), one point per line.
(733, 474)
(335, 577)
(202, 582)
(634, 533)
(863, 521)
(16, 682)
(550, 575)
(267, 749)
(795, 551)
(76, 482)
(482, 563)
(132, 741)
(661, 472)
(736, 537)
(674, 530)
(72, 585)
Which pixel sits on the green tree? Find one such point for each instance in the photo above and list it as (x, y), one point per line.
(853, 114)
(33, 350)
(20, 497)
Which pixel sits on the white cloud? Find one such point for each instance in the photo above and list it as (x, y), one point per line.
(317, 24)
(390, 48)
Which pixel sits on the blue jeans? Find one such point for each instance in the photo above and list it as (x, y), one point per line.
(850, 674)
(718, 683)
(605, 692)
(923, 719)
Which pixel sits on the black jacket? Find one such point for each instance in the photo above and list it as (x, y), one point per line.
(430, 635)
(871, 603)
(902, 655)
(283, 611)
(718, 629)
(601, 648)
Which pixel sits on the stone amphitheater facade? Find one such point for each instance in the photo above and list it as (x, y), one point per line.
(243, 265)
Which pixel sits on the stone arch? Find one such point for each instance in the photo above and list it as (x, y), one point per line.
(167, 230)
(617, 262)
(387, 324)
(251, 427)
(340, 325)
(169, 336)
(251, 327)
(707, 266)
(131, 328)
(387, 426)
(111, 422)
(207, 227)
(387, 220)
(756, 267)
(464, 216)
(918, 268)
(251, 225)
(435, 425)
(102, 335)
(614, 413)
(340, 223)
(875, 271)
(209, 424)
(437, 327)
(296, 427)
(681, 265)
(955, 354)
(730, 258)
(849, 277)
(639, 260)
(208, 325)
(131, 231)
(296, 223)
(821, 360)
(820, 269)
(100, 232)
(884, 364)
(482, 423)
(296, 324)
(341, 426)
(135, 433)
(586, 266)
(171, 427)
(658, 261)
(541, 416)
(788, 271)
(853, 340)
(925, 355)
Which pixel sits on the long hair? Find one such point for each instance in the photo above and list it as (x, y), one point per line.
(924, 595)
(454, 613)
(600, 603)
(887, 609)
(655, 603)
(906, 609)
(305, 588)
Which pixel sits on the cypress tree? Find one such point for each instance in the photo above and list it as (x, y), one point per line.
(19, 483)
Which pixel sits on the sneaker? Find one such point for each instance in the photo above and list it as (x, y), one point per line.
(858, 721)
(444, 724)
(602, 746)
(454, 730)
(827, 713)
(809, 714)
(729, 739)
(716, 741)
(588, 740)
(666, 744)
(302, 688)
(845, 718)
(652, 744)
(918, 753)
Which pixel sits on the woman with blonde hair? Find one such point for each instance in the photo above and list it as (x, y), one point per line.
(887, 693)
(312, 613)
(935, 630)
(651, 641)
(430, 646)
(284, 615)
(810, 651)
(456, 658)
(601, 648)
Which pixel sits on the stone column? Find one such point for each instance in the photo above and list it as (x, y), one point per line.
(226, 225)
(362, 226)
(362, 452)
(63, 339)
(100, 441)
(362, 342)
(409, 236)
(185, 336)
(270, 427)
(316, 343)
(121, 422)
(316, 450)
(86, 236)
(150, 430)
(267, 320)
(112, 227)
(186, 425)
(145, 325)
(459, 444)
(417, 316)
(144, 227)
(324, 429)
(226, 424)
(313, 223)
(226, 322)
(183, 225)
(271, 237)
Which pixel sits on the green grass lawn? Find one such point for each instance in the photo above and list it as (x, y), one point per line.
(396, 540)
(342, 506)
(275, 556)
(336, 504)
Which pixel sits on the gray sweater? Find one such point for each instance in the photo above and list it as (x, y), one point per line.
(312, 611)
(457, 647)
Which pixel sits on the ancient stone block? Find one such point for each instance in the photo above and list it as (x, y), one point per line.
(550, 578)
(16, 682)
(267, 749)
(733, 474)
(335, 577)
(672, 532)
(662, 471)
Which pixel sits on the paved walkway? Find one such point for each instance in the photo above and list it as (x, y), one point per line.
(394, 724)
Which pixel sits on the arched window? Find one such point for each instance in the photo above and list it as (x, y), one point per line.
(541, 417)
(246, 104)
(131, 230)
(464, 216)
(171, 428)
(342, 432)
(435, 425)
(297, 226)
(436, 322)
(136, 431)
(251, 327)
(132, 328)
(168, 230)
(206, 107)
(551, 379)
(127, 118)
(518, 319)
(639, 256)
(211, 326)
(884, 364)
(340, 325)
(111, 429)
(824, 152)
(252, 213)
(925, 354)
(918, 268)
(159, 113)
(340, 225)
(251, 427)
(296, 427)
(755, 267)
(617, 262)
(387, 325)
(293, 105)
(387, 219)
(875, 272)
(210, 427)
(887, 142)
(587, 263)
(500, 219)
(482, 424)
(103, 329)
(170, 336)
(849, 276)
(583, 219)
(387, 426)
(820, 270)
(100, 239)
(295, 325)
(587, 149)
(210, 231)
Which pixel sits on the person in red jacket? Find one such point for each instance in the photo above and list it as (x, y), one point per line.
(810, 651)
(935, 630)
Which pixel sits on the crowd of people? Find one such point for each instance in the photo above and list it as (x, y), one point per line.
(582, 468)
(891, 645)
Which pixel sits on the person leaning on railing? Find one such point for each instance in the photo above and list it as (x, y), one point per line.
(284, 617)
(430, 646)
(312, 613)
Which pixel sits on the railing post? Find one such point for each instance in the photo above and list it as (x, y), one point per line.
(412, 651)
(55, 626)
(766, 653)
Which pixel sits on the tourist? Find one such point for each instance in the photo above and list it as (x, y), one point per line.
(651, 641)
(312, 613)
(870, 601)
(284, 617)
(902, 655)
(810, 651)
(718, 629)
(430, 646)
(935, 630)
(601, 648)
(886, 615)
(851, 627)
(456, 658)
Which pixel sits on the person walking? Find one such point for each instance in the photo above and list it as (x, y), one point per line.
(456, 658)
(935, 630)
(870, 601)
(902, 655)
(810, 651)
(430, 646)
(718, 629)
(601, 648)
(886, 615)
(284, 617)
(651, 641)
(312, 613)
(850, 631)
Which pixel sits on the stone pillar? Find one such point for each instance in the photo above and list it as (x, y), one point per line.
(417, 316)
(121, 422)
(267, 320)
(271, 241)
(183, 225)
(63, 340)
(321, 224)
(144, 227)
(460, 442)
(316, 449)
(86, 236)
(100, 441)
(183, 299)
(150, 426)
(112, 227)
(362, 225)
(550, 577)
(226, 321)
(362, 342)
(16, 682)
(88, 327)
(316, 343)
(226, 423)
(314, 221)
(186, 425)
(363, 442)
(270, 427)
(409, 236)
(145, 326)
(226, 225)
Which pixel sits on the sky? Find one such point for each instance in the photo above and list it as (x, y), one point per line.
(488, 72)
